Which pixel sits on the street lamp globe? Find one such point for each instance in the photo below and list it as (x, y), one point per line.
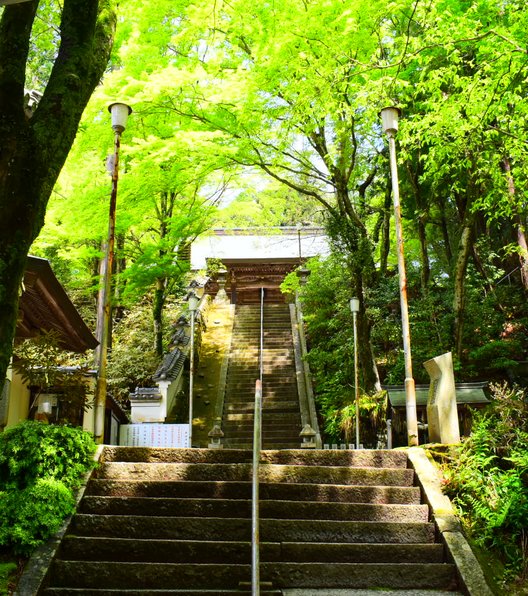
(120, 113)
(389, 119)
(193, 300)
(354, 305)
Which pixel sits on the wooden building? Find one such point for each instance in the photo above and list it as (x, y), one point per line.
(44, 306)
(256, 258)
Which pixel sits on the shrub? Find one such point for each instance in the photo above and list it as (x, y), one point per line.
(32, 450)
(40, 465)
(488, 479)
(30, 516)
(7, 569)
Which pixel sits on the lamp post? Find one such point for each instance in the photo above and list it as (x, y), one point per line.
(389, 118)
(120, 113)
(354, 307)
(193, 301)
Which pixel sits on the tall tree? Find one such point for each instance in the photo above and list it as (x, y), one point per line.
(36, 142)
(287, 90)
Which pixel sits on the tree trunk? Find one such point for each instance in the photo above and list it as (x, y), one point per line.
(464, 251)
(34, 146)
(445, 231)
(369, 369)
(519, 224)
(425, 271)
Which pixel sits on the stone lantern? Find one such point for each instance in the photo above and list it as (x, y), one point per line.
(307, 435)
(216, 435)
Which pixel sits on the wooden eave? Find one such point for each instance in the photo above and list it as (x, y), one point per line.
(44, 306)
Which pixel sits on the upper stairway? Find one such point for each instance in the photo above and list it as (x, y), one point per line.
(281, 418)
(178, 521)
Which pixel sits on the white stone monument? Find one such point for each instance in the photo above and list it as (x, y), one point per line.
(442, 413)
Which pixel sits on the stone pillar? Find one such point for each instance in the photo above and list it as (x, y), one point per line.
(442, 414)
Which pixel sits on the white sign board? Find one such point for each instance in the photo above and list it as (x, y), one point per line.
(154, 435)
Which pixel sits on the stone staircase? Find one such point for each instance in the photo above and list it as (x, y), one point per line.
(177, 521)
(281, 418)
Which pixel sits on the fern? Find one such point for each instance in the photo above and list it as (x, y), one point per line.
(487, 478)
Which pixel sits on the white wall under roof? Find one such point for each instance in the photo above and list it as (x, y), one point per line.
(243, 244)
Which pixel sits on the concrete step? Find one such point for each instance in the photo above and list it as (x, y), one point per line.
(238, 529)
(273, 369)
(268, 415)
(269, 432)
(246, 363)
(234, 437)
(278, 357)
(279, 414)
(242, 490)
(272, 509)
(275, 473)
(276, 326)
(270, 320)
(272, 412)
(354, 592)
(218, 592)
(99, 574)
(252, 333)
(148, 592)
(383, 458)
(245, 389)
(270, 401)
(284, 405)
(270, 395)
(332, 522)
(271, 422)
(269, 371)
(80, 548)
(282, 443)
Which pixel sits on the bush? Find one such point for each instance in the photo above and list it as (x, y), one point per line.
(488, 479)
(7, 570)
(32, 515)
(32, 450)
(40, 466)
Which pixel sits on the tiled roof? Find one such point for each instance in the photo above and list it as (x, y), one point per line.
(170, 367)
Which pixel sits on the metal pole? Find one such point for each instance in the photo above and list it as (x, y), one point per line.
(261, 346)
(356, 378)
(255, 531)
(191, 377)
(104, 329)
(410, 391)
